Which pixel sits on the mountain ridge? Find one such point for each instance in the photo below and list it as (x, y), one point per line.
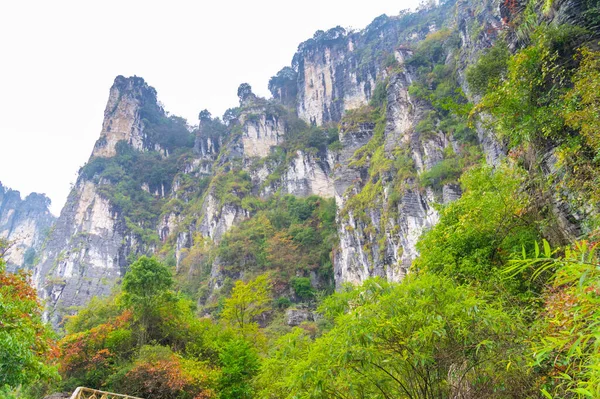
(259, 149)
(358, 116)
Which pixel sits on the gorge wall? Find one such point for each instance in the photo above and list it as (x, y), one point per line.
(353, 118)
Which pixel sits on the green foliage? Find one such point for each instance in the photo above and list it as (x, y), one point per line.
(109, 350)
(96, 312)
(309, 138)
(477, 233)
(583, 100)
(169, 132)
(437, 84)
(283, 303)
(145, 283)
(287, 235)
(145, 287)
(451, 167)
(426, 337)
(565, 343)
(302, 287)
(231, 115)
(444, 172)
(89, 357)
(277, 372)
(244, 92)
(355, 117)
(371, 155)
(379, 96)
(232, 186)
(213, 128)
(25, 342)
(579, 156)
(240, 364)
(284, 86)
(527, 104)
(120, 179)
(432, 51)
(489, 70)
(540, 104)
(247, 302)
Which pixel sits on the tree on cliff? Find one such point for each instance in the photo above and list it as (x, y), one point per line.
(247, 302)
(244, 92)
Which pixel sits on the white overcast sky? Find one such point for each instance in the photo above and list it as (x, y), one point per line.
(59, 58)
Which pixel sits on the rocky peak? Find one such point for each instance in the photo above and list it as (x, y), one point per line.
(337, 70)
(24, 223)
(246, 96)
(129, 102)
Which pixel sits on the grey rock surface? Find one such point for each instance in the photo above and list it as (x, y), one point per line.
(24, 223)
(295, 317)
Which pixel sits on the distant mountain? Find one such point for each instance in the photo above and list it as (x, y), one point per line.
(24, 223)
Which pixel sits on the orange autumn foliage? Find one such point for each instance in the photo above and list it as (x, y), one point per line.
(87, 350)
(169, 379)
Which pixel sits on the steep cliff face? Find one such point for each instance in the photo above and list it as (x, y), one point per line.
(337, 70)
(479, 28)
(380, 221)
(309, 174)
(85, 253)
(122, 119)
(261, 132)
(24, 223)
(101, 225)
(357, 117)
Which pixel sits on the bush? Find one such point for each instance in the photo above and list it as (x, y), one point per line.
(25, 342)
(160, 374)
(303, 288)
(490, 68)
(240, 364)
(478, 232)
(425, 332)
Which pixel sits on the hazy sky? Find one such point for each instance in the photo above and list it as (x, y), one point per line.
(58, 60)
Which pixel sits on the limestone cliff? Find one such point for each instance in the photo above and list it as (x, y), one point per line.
(24, 223)
(380, 223)
(261, 132)
(87, 250)
(122, 119)
(337, 70)
(353, 118)
(85, 253)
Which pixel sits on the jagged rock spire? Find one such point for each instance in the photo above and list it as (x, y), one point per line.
(123, 115)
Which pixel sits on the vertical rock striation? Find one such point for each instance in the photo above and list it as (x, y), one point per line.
(122, 120)
(86, 251)
(380, 222)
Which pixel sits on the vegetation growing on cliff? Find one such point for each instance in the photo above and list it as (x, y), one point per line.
(291, 238)
(502, 301)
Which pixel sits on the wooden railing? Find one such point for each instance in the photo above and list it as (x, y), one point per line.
(89, 393)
